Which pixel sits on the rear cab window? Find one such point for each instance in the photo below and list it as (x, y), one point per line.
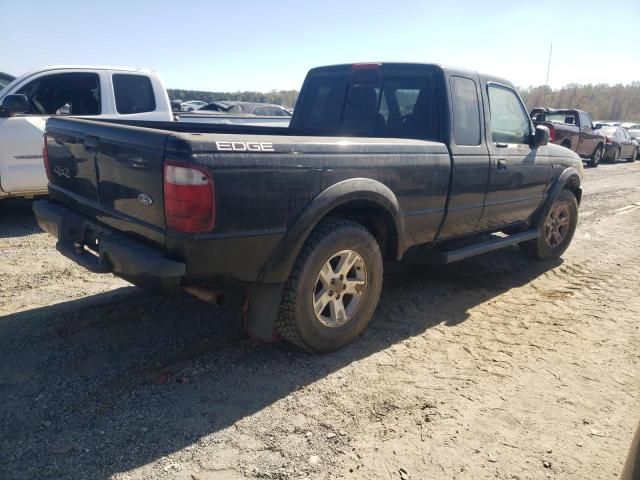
(370, 102)
(133, 93)
(466, 111)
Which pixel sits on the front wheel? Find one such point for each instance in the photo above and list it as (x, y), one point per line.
(557, 230)
(596, 156)
(333, 289)
(634, 156)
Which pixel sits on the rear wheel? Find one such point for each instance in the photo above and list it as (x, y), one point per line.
(333, 289)
(596, 156)
(634, 156)
(616, 156)
(556, 231)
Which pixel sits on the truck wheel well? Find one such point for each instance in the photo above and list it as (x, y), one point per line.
(573, 185)
(566, 143)
(375, 219)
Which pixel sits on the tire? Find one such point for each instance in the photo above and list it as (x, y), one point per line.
(616, 156)
(596, 156)
(634, 156)
(325, 251)
(566, 144)
(548, 245)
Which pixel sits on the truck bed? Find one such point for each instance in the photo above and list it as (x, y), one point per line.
(102, 168)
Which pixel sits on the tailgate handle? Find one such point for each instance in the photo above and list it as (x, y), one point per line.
(91, 143)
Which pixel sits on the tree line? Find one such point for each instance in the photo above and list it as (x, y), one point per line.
(603, 102)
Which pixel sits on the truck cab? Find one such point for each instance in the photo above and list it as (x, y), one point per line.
(80, 91)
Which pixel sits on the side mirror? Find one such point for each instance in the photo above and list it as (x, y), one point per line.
(13, 105)
(541, 137)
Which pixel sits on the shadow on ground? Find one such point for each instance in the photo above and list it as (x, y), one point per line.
(90, 385)
(16, 218)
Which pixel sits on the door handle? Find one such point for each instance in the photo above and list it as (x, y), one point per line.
(502, 145)
(502, 164)
(91, 143)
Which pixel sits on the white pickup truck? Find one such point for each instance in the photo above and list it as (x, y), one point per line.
(80, 91)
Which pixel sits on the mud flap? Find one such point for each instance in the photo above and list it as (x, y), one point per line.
(264, 303)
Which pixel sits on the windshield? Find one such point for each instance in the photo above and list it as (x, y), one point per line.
(5, 79)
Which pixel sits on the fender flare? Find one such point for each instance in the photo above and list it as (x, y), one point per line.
(281, 260)
(568, 176)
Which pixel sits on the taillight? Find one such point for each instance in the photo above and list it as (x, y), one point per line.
(45, 157)
(608, 140)
(552, 133)
(189, 198)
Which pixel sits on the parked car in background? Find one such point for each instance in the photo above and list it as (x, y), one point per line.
(609, 123)
(92, 92)
(232, 112)
(191, 105)
(303, 217)
(619, 144)
(81, 91)
(635, 134)
(630, 125)
(216, 106)
(572, 129)
(5, 79)
(259, 109)
(246, 108)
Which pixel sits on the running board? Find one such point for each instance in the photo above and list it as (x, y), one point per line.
(457, 254)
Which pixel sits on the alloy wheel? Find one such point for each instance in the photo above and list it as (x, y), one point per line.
(557, 225)
(340, 288)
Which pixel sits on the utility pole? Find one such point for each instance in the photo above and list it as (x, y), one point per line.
(549, 64)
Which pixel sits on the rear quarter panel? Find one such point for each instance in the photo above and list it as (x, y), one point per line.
(259, 196)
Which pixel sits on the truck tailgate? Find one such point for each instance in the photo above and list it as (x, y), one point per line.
(111, 173)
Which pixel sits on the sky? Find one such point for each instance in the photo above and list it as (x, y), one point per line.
(231, 45)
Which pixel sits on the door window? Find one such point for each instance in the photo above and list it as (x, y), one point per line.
(76, 93)
(134, 93)
(585, 121)
(466, 111)
(509, 120)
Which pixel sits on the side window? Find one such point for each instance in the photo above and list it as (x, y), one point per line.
(260, 111)
(466, 111)
(509, 121)
(75, 93)
(585, 121)
(134, 93)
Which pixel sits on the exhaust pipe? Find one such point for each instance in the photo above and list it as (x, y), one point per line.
(207, 295)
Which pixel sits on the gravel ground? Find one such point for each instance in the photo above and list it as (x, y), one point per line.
(495, 367)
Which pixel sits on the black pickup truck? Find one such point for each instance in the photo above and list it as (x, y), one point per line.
(380, 162)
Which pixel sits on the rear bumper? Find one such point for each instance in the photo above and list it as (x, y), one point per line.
(101, 249)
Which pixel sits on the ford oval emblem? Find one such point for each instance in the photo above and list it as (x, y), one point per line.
(145, 199)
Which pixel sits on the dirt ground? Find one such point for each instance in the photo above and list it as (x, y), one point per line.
(495, 367)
